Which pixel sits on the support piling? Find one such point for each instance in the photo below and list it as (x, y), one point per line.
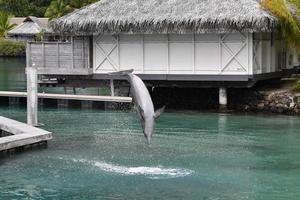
(32, 97)
(223, 98)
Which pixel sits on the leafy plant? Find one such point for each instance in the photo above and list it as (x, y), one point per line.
(57, 9)
(75, 4)
(12, 48)
(21, 8)
(40, 35)
(5, 26)
(289, 25)
(296, 87)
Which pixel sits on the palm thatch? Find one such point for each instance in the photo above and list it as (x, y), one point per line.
(30, 26)
(166, 16)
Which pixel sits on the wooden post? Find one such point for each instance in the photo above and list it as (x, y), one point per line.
(223, 98)
(32, 98)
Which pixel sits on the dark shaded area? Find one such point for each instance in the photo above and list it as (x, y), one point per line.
(186, 98)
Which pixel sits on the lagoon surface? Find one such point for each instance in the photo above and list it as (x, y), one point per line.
(12, 74)
(98, 154)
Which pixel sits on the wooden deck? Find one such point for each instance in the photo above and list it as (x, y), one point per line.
(21, 134)
(70, 97)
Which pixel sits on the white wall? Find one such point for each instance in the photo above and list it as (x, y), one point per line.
(269, 53)
(175, 54)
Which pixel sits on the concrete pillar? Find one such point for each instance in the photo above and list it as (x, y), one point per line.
(32, 98)
(222, 98)
(112, 87)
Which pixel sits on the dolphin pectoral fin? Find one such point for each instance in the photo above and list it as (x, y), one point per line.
(159, 112)
(141, 112)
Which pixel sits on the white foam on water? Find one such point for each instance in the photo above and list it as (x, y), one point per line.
(158, 172)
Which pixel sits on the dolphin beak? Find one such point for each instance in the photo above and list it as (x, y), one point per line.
(148, 139)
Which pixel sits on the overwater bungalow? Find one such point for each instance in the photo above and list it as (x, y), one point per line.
(210, 43)
(27, 28)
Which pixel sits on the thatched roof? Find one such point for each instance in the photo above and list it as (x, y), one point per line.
(29, 26)
(166, 16)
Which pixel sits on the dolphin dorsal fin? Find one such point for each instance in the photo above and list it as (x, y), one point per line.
(159, 112)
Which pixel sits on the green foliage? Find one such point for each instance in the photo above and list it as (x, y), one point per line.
(57, 9)
(76, 4)
(296, 87)
(38, 8)
(40, 35)
(5, 26)
(12, 48)
(22, 8)
(289, 25)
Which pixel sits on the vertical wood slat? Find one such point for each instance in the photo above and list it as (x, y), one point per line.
(118, 51)
(83, 52)
(95, 40)
(28, 55)
(57, 55)
(250, 53)
(44, 55)
(72, 52)
(143, 52)
(194, 53)
(220, 52)
(88, 53)
(168, 53)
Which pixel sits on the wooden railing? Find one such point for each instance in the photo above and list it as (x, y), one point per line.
(60, 57)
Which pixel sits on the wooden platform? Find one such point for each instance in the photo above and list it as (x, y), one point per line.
(21, 134)
(70, 97)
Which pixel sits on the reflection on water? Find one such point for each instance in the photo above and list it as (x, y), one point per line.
(12, 74)
(103, 155)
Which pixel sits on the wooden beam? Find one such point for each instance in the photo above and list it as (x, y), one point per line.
(69, 97)
(65, 71)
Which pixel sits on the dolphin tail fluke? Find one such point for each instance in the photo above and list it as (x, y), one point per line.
(159, 112)
(124, 72)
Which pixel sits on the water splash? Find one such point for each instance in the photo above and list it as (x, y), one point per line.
(158, 172)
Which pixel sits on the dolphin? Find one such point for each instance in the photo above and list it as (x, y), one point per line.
(143, 103)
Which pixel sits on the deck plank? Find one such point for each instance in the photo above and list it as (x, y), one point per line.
(22, 134)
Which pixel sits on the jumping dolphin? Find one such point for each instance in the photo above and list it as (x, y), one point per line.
(143, 103)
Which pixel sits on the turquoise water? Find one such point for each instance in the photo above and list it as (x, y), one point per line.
(103, 155)
(12, 74)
